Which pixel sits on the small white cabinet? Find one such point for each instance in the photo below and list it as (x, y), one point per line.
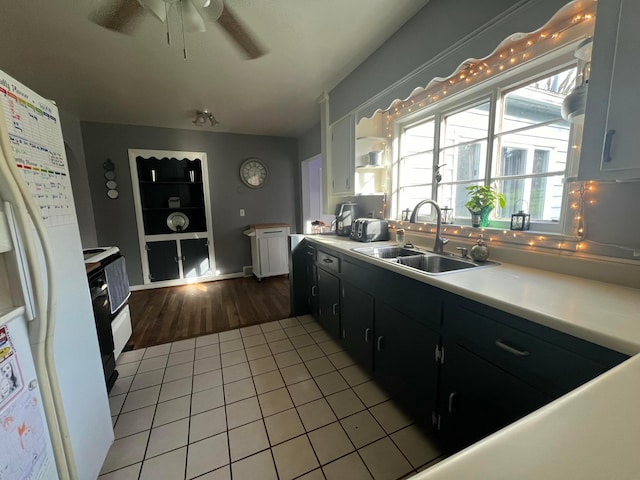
(269, 249)
(343, 144)
(610, 142)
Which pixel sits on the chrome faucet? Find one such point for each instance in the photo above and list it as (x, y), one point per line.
(439, 242)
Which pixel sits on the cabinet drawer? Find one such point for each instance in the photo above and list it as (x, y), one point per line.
(328, 261)
(546, 366)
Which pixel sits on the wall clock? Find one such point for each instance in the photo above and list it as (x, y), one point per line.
(253, 173)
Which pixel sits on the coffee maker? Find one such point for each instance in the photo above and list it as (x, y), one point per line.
(346, 213)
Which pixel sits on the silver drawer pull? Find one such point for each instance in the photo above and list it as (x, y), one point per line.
(520, 353)
(272, 231)
(380, 343)
(608, 140)
(452, 399)
(367, 331)
(335, 308)
(314, 291)
(327, 260)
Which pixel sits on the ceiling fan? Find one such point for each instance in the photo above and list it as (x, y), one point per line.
(125, 15)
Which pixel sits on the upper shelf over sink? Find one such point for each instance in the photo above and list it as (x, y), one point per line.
(427, 262)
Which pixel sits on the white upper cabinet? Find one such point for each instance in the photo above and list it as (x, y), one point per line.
(611, 143)
(343, 144)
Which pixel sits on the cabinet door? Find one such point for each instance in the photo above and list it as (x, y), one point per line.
(312, 281)
(343, 141)
(329, 302)
(273, 255)
(404, 361)
(610, 142)
(356, 320)
(163, 260)
(478, 398)
(195, 257)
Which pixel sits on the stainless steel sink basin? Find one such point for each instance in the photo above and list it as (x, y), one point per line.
(427, 262)
(388, 252)
(435, 263)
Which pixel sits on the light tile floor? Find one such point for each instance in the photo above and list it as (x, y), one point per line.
(279, 400)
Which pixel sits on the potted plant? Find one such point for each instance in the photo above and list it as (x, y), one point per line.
(482, 199)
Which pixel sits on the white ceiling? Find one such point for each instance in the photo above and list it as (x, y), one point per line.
(104, 76)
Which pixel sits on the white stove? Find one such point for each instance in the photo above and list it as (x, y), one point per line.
(97, 254)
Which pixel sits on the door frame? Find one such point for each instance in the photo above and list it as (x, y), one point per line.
(306, 191)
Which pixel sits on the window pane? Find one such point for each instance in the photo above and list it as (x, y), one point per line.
(416, 169)
(455, 196)
(418, 138)
(463, 162)
(465, 126)
(538, 102)
(542, 197)
(535, 150)
(409, 197)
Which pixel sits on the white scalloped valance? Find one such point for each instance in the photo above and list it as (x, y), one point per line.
(572, 22)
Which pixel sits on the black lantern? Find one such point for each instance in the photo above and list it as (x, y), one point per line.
(520, 221)
(447, 215)
(405, 214)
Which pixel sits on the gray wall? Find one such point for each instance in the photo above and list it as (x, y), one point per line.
(309, 143)
(74, 148)
(276, 202)
(433, 30)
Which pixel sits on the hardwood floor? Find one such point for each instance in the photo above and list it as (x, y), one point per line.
(174, 313)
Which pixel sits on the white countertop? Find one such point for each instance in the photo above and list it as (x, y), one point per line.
(593, 432)
(602, 313)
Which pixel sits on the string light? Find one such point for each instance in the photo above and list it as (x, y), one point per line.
(564, 26)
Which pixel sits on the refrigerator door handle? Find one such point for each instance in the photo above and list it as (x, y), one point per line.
(23, 268)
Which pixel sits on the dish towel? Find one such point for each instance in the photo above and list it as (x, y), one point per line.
(118, 283)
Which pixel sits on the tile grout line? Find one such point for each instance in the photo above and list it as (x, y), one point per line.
(295, 407)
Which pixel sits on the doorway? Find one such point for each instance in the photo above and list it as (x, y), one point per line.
(312, 193)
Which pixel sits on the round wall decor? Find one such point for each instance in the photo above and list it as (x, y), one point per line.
(253, 173)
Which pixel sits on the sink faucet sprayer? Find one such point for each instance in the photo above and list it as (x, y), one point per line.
(439, 242)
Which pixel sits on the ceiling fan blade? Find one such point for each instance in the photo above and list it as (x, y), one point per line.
(119, 15)
(191, 18)
(240, 33)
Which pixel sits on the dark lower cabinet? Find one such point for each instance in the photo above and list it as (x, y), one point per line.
(404, 361)
(462, 367)
(356, 315)
(195, 257)
(163, 260)
(312, 281)
(478, 398)
(329, 302)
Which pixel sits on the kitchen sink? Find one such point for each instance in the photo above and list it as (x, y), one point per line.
(389, 252)
(427, 262)
(435, 263)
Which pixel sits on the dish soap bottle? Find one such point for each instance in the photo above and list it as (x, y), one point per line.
(480, 251)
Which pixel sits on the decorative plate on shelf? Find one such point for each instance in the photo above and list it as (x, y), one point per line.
(178, 221)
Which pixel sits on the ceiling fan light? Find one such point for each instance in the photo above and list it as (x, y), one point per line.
(212, 9)
(191, 18)
(157, 7)
(201, 118)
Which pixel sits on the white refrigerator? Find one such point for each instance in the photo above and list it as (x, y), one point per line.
(54, 411)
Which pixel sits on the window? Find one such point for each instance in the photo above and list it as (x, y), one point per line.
(510, 136)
